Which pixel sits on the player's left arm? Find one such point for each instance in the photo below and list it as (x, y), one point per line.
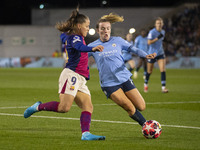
(161, 35)
(141, 53)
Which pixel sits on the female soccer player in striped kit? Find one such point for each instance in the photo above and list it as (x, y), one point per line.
(155, 38)
(72, 81)
(115, 78)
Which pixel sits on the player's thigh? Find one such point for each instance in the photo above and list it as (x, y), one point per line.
(69, 82)
(161, 64)
(136, 98)
(131, 63)
(150, 67)
(84, 101)
(122, 100)
(144, 61)
(66, 101)
(140, 62)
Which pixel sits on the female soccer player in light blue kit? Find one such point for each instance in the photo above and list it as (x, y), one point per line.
(115, 79)
(127, 56)
(72, 81)
(141, 43)
(155, 38)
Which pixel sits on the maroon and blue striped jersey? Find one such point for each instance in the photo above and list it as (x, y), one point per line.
(76, 52)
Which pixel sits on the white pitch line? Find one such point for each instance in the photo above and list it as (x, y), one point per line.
(153, 103)
(186, 102)
(14, 107)
(94, 120)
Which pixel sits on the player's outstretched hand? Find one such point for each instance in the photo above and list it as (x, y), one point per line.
(98, 48)
(151, 56)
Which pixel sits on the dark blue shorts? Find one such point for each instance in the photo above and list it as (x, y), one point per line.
(126, 86)
(156, 58)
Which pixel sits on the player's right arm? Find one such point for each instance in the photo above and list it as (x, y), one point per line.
(77, 43)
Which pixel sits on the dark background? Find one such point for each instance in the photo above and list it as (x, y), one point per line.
(19, 11)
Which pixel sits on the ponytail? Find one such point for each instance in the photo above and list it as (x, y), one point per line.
(112, 18)
(70, 26)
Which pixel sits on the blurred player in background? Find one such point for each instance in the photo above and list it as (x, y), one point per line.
(115, 78)
(141, 43)
(72, 81)
(16, 62)
(155, 38)
(128, 58)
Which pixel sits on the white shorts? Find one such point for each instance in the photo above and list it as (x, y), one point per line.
(71, 82)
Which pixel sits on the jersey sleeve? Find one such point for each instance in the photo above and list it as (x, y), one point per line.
(150, 35)
(77, 43)
(63, 37)
(136, 41)
(137, 51)
(124, 44)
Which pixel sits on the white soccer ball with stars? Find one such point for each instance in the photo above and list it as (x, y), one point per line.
(151, 129)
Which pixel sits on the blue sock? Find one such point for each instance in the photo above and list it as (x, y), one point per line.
(137, 116)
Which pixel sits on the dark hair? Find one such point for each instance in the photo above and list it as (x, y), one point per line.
(69, 26)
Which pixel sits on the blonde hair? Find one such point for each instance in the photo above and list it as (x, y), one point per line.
(70, 26)
(112, 18)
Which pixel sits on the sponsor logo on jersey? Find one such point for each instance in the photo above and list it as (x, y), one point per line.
(113, 45)
(76, 39)
(72, 88)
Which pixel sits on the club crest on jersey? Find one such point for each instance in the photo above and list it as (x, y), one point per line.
(72, 88)
(76, 39)
(113, 45)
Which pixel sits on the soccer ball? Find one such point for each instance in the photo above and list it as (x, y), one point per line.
(151, 129)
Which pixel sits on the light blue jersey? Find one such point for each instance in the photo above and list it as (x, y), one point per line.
(110, 64)
(156, 47)
(127, 55)
(141, 43)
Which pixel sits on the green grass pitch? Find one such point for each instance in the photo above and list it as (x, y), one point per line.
(178, 112)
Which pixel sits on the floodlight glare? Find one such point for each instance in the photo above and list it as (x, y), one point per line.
(41, 6)
(92, 31)
(132, 30)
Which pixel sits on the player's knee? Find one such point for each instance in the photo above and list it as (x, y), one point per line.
(129, 108)
(142, 107)
(63, 109)
(89, 108)
(131, 111)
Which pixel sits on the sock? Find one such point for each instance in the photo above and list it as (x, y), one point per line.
(137, 116)
(85, 121)
(131, 69)
(147, 78)
(137, 69)
(163, 78)
(50, 106)
(145, 68)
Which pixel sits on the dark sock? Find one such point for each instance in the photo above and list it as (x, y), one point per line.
(131, 69)
(138, 117)
(145, 68)
(163, 78)
(137, 69)
(147, 78)
(85, 121)
(50, 106)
